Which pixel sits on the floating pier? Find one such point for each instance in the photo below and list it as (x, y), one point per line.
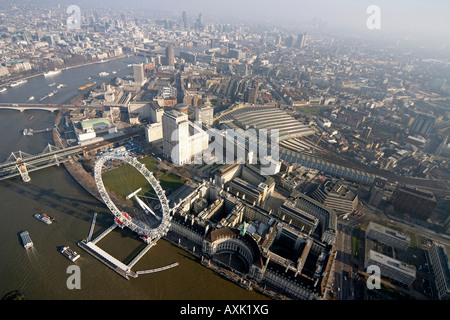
(113, 263)
(30, 132)
(158, 269)
(107, 259)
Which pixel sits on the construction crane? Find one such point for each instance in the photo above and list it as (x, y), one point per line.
(314, 149)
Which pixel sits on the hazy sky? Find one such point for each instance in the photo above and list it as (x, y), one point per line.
(424, 17)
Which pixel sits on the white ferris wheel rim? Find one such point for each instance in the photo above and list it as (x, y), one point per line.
(153, 233)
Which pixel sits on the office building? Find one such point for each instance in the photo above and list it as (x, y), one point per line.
(175, 135)
(183, 141)
(170, 56)
(326, 230)
(237, 54)
(366, 132)
(251, 95)
(440, 266)
(247, 191)
(423, 124)
(199, 23)
(184, 19)
(298, 218)
(138, 70)
(153, 132)
(387, 236)
(204, 115)
(390, 268)
(336, 195)
(290, 41)
(413, 201)
(301, 41)
(156, 112)
(295, 262)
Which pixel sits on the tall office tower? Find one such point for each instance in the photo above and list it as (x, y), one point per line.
(170, 56)
(183, 141)
(301, 41)
(423, 124)
(138, 69)
(175, 136)
(199, 22)
(278, 40)
(290, 41)
(184, 18)
(366, 132)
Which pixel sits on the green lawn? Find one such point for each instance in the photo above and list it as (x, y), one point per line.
(125, 179)
(356, 243)
(310, 110)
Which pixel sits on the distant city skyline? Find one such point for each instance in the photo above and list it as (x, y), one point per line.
(415, 19)
(411, 18)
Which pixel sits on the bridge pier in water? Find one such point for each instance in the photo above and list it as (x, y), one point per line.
(22, 163)
(24, 172)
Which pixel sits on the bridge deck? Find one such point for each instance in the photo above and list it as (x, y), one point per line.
(43, 156)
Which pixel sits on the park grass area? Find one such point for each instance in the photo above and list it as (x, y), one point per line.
(125, 179)
(356, 243)
(413, 242)
(310, 110)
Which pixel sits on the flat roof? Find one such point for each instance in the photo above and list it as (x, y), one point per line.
(290, 207)
(393, 263)
(89, 123)
(388, 231)
(339, 188)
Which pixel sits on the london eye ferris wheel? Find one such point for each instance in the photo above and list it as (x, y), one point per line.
(150, 222)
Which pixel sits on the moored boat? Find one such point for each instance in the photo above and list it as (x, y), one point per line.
(69, 254)
(17, 82)
(52, 73)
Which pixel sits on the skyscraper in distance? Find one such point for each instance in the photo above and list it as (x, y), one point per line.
(138, 70)
(170, 56)
(301, 40)
(184, 18)
(199, 22)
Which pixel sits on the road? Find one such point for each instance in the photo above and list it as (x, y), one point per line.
(342, 283)
(345, 285)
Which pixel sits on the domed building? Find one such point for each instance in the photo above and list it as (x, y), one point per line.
(240, 252)
(181, 107)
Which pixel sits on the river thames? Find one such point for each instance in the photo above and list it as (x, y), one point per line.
(41, 272)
